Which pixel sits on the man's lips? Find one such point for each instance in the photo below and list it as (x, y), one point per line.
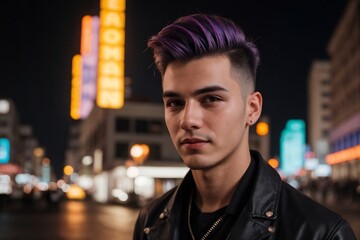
(193, 141)
(194, 144)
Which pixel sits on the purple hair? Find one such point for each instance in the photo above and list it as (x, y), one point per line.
(201, 35)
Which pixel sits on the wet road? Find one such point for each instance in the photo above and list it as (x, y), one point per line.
(70, 220)
(79, 220)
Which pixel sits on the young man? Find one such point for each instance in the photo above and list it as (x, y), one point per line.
(208, 71)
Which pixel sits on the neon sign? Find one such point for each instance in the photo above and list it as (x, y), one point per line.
(89, 53)
(111, 69)
(75, 105)
(4, 150)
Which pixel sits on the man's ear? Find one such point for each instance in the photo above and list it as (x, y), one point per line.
(254, 105)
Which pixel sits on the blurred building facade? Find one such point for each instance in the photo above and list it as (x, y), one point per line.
(28, 143)
(107, 136)
(9, 125)
(18, 156)
(24, 167)
(319, 115)
(344, 51)
(72, 152)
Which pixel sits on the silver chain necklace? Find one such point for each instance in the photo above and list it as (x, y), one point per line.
(215, 224)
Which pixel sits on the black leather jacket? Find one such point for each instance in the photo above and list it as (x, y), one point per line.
(275, 211)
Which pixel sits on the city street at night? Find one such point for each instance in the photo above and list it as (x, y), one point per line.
(87, 220)
(107, 105)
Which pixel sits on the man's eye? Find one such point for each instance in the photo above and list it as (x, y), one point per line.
(174, 103)
(210, 99)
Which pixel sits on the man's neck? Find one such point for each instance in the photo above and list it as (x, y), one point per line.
(215, 187)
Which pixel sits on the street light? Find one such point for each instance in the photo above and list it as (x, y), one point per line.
(139, 152)
(68, 170)
(262, 128)
(87, 160)
(39, 152)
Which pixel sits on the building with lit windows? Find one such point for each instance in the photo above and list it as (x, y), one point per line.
(344, 51)
(100, 147)
(18, 163)
(112, 132)
(17, 142)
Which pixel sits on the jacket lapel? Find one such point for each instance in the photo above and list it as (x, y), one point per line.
(257, 220)
(246, 228)
(167, 225)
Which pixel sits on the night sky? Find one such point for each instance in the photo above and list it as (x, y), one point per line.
(39, 38)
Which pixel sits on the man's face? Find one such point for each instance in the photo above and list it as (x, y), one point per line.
(205, 113)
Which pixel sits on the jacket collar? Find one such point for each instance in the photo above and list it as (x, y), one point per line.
(181, 194)
(266, 190)
(258, 217)
(259, 220)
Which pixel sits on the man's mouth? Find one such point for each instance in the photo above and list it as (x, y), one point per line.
(192, 140)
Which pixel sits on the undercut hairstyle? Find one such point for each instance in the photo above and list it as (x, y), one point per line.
(200, 35)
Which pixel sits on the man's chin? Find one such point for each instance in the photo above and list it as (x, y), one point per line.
(197, 164)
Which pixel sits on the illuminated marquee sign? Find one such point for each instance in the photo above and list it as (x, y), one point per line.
(89, 54)
(84, 70)
(75, 105)
(4, 150)
(110, 85)
(85, 47)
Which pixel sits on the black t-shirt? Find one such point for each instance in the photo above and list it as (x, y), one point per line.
(201, 222)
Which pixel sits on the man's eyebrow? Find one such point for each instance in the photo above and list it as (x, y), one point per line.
(170, 94)
(208, 89)
(196, 92)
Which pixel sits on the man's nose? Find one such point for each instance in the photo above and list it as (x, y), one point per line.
(191, 117)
